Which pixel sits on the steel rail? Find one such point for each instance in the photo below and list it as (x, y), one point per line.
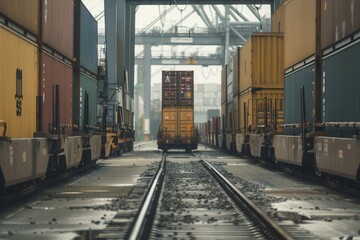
(149, 202)
(239, 197)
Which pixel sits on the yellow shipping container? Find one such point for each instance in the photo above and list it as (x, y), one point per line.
(224, 84)
(25, 13)
(300, 17)
(253, 105)
(177, 122)
(18, 84)
(262, 62)
(278, 19)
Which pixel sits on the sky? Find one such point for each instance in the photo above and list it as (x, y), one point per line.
(146, 14)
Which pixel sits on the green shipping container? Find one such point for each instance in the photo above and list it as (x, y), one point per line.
(88, 87)
(341, 96)
(304, 76)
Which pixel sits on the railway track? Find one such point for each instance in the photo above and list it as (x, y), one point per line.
(192, 200)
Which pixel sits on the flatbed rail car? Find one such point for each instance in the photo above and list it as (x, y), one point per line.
(177, 129)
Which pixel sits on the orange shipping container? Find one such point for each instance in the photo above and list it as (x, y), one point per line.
(177, 122)
(262, 61)
(236, 72)
(299, 30)
(22, 12)
(278, 19)
(236, 114)
(338, 20)
(18, 84)
(223, 84)
(255, 108)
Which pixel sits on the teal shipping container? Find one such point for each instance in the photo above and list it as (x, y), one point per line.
(303, 76)
(88, 104)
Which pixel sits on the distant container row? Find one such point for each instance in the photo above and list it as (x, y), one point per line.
(30, 74)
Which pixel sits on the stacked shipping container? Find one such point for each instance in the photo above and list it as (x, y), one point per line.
(177, 126)
(261, 77)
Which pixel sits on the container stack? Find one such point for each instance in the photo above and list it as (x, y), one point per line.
(177, 126)
(259, 92)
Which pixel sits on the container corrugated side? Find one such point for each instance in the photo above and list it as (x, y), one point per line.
(236, 73)
(299, 32)
(169, 89)
(18, 55)
(223, 84)
(254, 103)
(22, 12)
(341, 96)
(169, 121)
(186, 122)
(278, 19)
(186, 88)
(245, 65)
(88, 40)
(55, 72)
(338, 20)
(293, 81)
(263, 63)
(88, 85)
(178, 88)
(236, 114)
(58, 25)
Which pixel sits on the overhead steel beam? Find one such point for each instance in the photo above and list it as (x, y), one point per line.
(239, 13)
(254, 11)
(203, 61)
(184, 2)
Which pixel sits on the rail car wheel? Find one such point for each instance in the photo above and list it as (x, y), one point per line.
(188, 150)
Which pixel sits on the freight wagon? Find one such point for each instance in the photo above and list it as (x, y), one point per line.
(177, 129)
(283, 126)
(48, 92)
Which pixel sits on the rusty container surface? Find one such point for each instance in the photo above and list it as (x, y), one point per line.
(239, 140)
(278, 19)
(24, 13)
(54, 72)
(262, 62)
(299, 32)
(18, 84)
(58, 25)
(255, 109)
(73, 151)
(95, 143)
(177, 88)
(23, 160)
(255, 143)
(88, 40)
(338, 156)
(288, 149)
(169, 122)
(186, 122)
(236, 73)
(223, 84)
(338, 20)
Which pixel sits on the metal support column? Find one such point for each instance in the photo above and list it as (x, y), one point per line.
(121, 40)
(111, 59)
(227, 34)
(147, 88)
